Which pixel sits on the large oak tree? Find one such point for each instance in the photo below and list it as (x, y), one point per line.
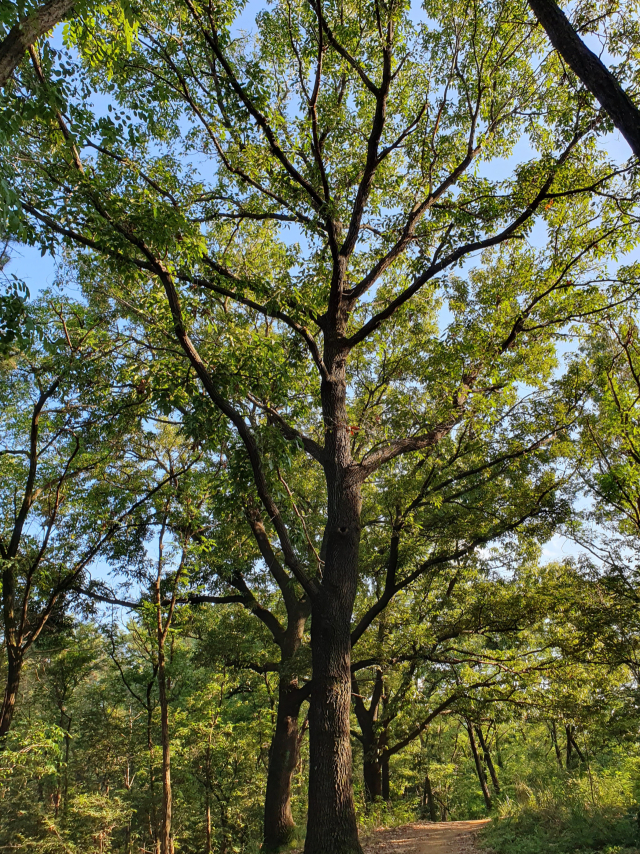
(288, 210)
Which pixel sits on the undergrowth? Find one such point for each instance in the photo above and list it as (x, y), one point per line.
(595, 811)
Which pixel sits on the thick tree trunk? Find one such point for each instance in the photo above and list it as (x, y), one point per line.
(331, 822)
(284, 755)
(428, 800)
(14, 672)
(27, 31)
(479, 769)
(488, 761)
(373, 783)
(590, 70)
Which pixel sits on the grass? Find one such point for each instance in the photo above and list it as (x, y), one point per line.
(568, 815)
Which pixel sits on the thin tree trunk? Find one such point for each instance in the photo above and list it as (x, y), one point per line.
(166, 842)
(162, 627)
(153, 819)
(554, 739)
(488, 760)
(479, 769)
(386, 791)
(207, 820)
(12, 686)
(575, 745)
(569, 749)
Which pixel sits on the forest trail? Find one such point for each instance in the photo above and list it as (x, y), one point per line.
(450, 837)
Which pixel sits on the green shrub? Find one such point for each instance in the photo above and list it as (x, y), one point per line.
(593, 811)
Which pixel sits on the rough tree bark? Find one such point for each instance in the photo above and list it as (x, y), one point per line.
(371, 740)
(284, 755)
(23, 34)
(590, 70)
(428, 800)
(331, 822)
(12, 686)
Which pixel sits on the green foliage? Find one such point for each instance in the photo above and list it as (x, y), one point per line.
(597, 811)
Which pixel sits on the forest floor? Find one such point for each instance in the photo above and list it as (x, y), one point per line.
(451, 837)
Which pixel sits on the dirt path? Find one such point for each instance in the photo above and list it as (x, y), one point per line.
(451, 837)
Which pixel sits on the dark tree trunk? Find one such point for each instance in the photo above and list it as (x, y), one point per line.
(590, 70)
(570, 732)
(14, 672)
(569, 750)
(554, 739)
(284, 755)
(488, 760)
(373, 782)
(386, 793)
(479, 769)
(331, 822)
(428, 800)
(284, 752)
(373, 740)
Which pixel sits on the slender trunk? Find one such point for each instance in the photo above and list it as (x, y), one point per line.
(65, 779)
(14, 672)
(166, 842)
(373, 742)
(428, 800)
(331, 822)
(207, 820)
(153, 819)
(554, 739)
(488, 760)
(575, 745)
(284, 755)
(386, 792)
(479, 769)
(569, 750)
